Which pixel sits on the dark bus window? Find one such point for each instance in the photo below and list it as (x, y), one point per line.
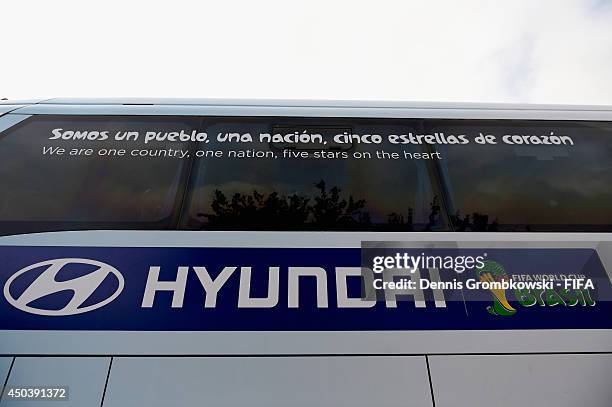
(100, 188)
(269, 188)
(529, 187)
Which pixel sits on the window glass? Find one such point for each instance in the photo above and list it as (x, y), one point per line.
(86, 171)
(545, 176)
(536, 176)
(263, 185)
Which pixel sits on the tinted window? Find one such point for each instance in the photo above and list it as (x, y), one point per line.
(102, 187)
(270, 186)
(529, 187)
(219, 183)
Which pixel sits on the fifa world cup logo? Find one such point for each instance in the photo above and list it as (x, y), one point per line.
(493, 271)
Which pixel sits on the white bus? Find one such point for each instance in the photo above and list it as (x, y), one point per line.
(214, 252)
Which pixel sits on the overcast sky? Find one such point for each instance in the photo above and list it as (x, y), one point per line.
(539, 51)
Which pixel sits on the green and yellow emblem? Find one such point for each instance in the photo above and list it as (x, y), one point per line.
(493, 271)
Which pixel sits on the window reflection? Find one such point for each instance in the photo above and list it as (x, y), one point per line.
(309, 194)
(65, 188)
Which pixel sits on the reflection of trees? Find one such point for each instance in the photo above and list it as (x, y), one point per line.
(477, 222)
(326, 211)
(330, 210)
(434, 215)
(397, 222)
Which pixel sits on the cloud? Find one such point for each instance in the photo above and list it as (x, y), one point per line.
(473, 50)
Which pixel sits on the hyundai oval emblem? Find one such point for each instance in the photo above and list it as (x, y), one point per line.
(81, 288)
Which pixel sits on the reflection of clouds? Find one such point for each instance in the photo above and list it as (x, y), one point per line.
(587, 188)
(524, 189)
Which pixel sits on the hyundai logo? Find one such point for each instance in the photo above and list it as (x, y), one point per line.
(81, 288)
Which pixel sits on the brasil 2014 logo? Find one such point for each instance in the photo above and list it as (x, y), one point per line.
(493, 271)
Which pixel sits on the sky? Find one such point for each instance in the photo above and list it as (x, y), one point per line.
(523, 51)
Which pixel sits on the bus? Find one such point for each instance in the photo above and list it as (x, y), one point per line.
(159, 252)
